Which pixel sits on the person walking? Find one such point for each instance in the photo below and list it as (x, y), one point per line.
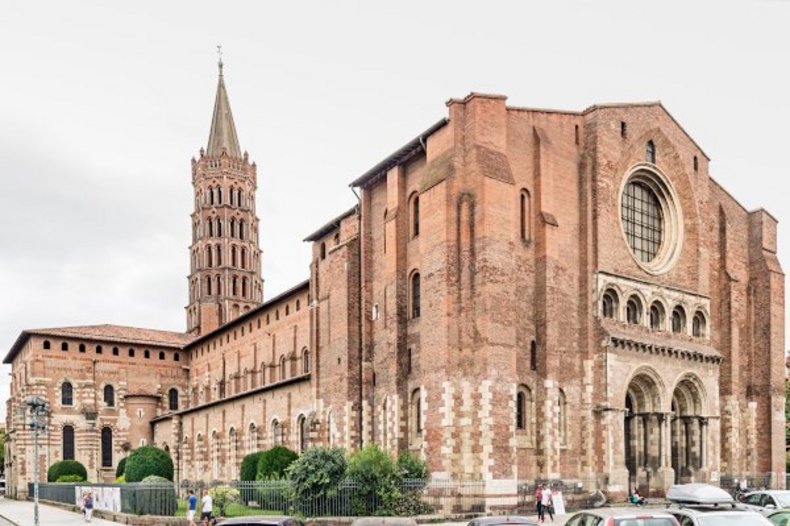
(191, 507)
(546, 504)
(539, 501)
(88, 507)
(206, 509)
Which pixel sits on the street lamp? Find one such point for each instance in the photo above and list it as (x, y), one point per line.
(39, 409)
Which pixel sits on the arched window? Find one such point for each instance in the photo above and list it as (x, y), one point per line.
(657, 316)
(241, 198)
(116, 351)
(415, 295)
(131, 353)
(244, 258)
(208, 285)
(525, 220)
(176, 357)
(66, 394)
(323, 251)
(415, 216)
(243, 287)
(82, 347)
(211, 196)
(106, 447)
(210, 228)
(215, 460)
(533, 356)
(68, 443)
(209, 257)
(219, 256)
(633, 311)
(524, 410)
(219, 195)
(233, 259)
(232, 228)
(563, 420)
(99, 349)
(241, 230)
(698, 325)
(651, 152)
(172, 399)
(219, 227)
(304, 433)
(282, 367)
(277, 434)
(64, 346)
(161, 355)
(47, 345)
(147, 354)
(109, 396)
(678, 319)
(609, 304)
(252, 438)
(219, 284)
(416, 413)
(305, 361)
(234, 285)
(233, 450)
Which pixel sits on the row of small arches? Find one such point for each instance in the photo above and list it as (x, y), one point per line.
(214, 195)
(99, 349)
(215, 227)
(108, 395)
(237, 287)
(656, 314)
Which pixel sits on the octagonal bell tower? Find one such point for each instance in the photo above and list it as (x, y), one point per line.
(225, 261)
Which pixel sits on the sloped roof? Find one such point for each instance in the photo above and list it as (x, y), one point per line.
(107, 333)
(223, 130)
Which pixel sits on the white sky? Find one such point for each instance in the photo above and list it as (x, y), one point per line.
(102, 105)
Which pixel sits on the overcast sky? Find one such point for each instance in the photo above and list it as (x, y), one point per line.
(102, 105)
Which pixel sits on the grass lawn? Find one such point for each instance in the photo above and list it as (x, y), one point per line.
(232, 510)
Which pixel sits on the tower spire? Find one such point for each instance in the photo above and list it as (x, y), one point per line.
(223, 131)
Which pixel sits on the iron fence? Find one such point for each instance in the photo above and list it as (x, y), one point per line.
(353, 499)
(134, 498)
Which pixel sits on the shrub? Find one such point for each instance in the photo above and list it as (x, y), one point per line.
(148, 460)
(316, 475)
(66, 467)
(120, 480)
(249, 466)
(119, 470)
(222, 496)
(376, 477)
(70, 478)
(155, 479)
(411, 467)
(273, 462)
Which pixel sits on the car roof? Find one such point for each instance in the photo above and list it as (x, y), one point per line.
(770, 492)
(257, 519)
(628, 512)
(709, 510)
(504, 519)
(384, 521)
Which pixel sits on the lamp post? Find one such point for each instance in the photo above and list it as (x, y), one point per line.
(39, 409)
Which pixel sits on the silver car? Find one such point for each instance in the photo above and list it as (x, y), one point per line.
(706, 505)
(766, 501)
(622, 517)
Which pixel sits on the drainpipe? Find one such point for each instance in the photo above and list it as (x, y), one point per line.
(360, 315)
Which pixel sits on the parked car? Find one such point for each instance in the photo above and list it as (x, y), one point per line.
(622, 517)
(766, 501)
(262, 521)
(706, 505)
(780, 517)
(503, 520)
(384, 521)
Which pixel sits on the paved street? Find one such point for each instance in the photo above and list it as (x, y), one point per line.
(21, 513)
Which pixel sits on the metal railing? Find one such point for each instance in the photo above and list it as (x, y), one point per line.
(352, 499)
(133, 498)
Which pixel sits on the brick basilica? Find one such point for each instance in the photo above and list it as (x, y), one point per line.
(520, 294)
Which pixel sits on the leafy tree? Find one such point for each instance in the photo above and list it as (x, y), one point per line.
(411, 467)
(148, 460)
(316, 474)
(376, 476)
(273, 462)
(65, 468)
(119, 470)
(249, 466)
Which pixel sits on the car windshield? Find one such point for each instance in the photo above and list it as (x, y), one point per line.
(735, 519)
(658, 521)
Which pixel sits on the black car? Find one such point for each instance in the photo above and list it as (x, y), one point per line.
(261, 520)
(503, 520)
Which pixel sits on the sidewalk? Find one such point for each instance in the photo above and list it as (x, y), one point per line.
(20, 512)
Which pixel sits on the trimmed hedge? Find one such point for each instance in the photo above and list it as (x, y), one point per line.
(119, 470)
(249, 466)
(70, 478)
(273, 462)
(148, 460)
(64, 468)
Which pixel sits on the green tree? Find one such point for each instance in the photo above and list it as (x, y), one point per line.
(273, 463)
(66, 468)
(316, 474)
(148, 460)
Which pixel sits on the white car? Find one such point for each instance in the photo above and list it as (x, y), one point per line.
(766, 501)
(706, 505)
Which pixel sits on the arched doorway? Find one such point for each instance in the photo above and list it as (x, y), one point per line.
(689, 430)
(642, 427)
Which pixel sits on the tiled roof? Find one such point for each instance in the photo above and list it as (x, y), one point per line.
(106, 332)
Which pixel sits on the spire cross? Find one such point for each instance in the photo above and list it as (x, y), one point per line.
(219, 57)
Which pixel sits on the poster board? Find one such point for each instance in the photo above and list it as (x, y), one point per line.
(105, 498)
(559, 502)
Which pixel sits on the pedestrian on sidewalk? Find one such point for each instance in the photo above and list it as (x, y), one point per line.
(191, 507)
(88, 507)
(207, 508)
(539, 500)
(547, 506)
